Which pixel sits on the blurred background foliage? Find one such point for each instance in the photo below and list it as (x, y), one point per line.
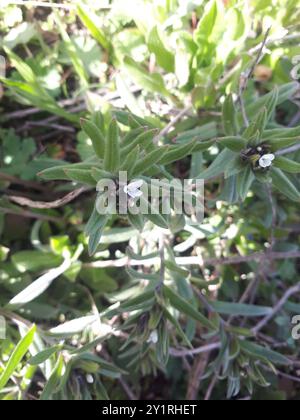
(152, 58)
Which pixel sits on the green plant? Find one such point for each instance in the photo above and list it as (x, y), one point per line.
(104, 305)
(252, 155)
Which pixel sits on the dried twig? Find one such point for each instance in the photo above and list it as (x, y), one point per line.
(211, 387)
(291, 149)
(191, 352)
(168, 127)
(22, 201)
(17, 181)
(35, 3)
(259, 56)
(270, 42)
(274, 41)
(246, 76)
(130, 394)
(188, 261)
(290, 292)
(290, 377)
(77, 104)
(43, 124)
(29, 214)
(196, 375)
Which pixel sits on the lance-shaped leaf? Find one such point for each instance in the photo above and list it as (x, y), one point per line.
(244, 182)
(95, 135)
(144, 140)
(276, 144)
(54, 381)
(287, 165)
(177, 152)
(142, 298)
(201, 133)
(55, 173)
(240, 309)
(124, 90)
(39, 286)
(230, 124)
(58, 172)
(271, 103)
(200, 146)
(22, 67)
(38, 98)
(282, 183)
(99, 174)
(157, 219)
(75, 326)
(177, 326)
(130, 161)
(235, 167)
(82, 176)
(150, 82)
(71, 50)
(98, 120)
(149, 160)
(25, 261)
(285, 92)
(219, 165)
(279, 133)
(164, 57)
(94, 221)
(132, 135)
(185, 307)
(153, 215)
(133, 121)
(43, 355)
(95, 237)
(256, 127)
(263, 353)
(143, 301)
(112, 149)
(94, 229)
(234, 143)
(91, 21)
(16, 357)
(206, 24)
(229, 192)
(92, 363)
(292, 307)
(162, 345)
(137, 221)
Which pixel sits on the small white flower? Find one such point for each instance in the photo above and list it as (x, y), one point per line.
(133, 189)
(153, 338)
(89, 378)
(266, 160)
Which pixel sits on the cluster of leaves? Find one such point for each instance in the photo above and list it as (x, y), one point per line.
(136, 154)
(86, 325)
(239, 161)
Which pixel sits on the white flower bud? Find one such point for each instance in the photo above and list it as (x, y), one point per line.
(89, 378)
(153, 338)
